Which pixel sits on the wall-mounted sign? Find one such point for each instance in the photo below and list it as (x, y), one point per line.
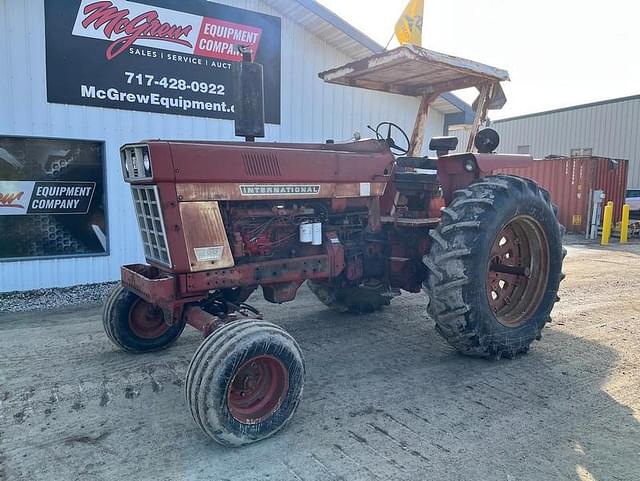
(30, 197)
(51, 198)
(166, 56)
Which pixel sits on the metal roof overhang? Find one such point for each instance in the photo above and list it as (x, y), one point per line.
(414, 71)
(323, 23)
(328, 26)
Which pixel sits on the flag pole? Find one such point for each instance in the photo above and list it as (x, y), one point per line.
(390, 40)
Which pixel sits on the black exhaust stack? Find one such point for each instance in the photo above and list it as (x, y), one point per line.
(248, 81)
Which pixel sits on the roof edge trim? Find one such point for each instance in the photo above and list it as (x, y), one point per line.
(568, 109)
(342, 25)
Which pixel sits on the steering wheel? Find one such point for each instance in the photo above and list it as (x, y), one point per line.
(393, 146)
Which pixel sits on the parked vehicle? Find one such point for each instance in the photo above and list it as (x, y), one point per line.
(358, 221)
(633, 199)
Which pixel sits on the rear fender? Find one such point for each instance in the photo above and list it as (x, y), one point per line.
(453, 175)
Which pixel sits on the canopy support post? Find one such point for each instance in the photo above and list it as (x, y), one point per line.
(417, 137)
(486, 92)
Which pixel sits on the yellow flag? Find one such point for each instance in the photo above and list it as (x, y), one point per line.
(409, 26)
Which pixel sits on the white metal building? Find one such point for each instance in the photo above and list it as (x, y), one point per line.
(608, 129)
(313, 40)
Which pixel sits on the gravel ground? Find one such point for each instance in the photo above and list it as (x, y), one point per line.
(386, 398)
(43, 299)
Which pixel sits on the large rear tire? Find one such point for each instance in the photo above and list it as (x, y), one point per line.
(244, 382)
(356, 300)
(495, 267)
(135, 325)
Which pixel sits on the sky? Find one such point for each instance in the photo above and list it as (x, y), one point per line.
(558, 52)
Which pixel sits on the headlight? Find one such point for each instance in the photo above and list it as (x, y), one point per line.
(146, 162)
(136, 162)
(469, 165)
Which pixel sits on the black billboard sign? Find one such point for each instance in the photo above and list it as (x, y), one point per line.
(165, 56)
(51, 198)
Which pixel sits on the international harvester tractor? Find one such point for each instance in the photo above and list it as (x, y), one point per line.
(357, 221)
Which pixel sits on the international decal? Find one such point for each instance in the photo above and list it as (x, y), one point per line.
(279, 189)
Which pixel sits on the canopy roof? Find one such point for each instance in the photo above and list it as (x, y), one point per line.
(414, 71)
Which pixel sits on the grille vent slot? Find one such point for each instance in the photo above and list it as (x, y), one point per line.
(261, 165)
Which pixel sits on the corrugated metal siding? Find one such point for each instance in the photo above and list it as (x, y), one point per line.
(311, 111)
(611, 177)
(610, 129)
(462, 133)
(570, 182)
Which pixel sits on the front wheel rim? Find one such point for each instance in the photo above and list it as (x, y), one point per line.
(518, 271)
(146, 321)
(257, 389)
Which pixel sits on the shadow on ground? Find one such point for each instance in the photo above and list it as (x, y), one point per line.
(385, 399)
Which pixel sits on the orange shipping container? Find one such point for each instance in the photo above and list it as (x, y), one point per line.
(570, 181)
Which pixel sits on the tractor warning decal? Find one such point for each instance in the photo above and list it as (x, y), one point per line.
(206, 254)
(164, 56)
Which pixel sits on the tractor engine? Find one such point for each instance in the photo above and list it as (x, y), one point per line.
(282, 230)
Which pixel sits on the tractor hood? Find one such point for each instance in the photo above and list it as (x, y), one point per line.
(248, 162)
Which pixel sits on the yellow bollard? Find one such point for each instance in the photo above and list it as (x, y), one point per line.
(606, 224)
(624, 227)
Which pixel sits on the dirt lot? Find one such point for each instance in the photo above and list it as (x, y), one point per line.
(385, 399)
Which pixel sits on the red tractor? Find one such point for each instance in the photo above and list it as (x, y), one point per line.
(356, 222)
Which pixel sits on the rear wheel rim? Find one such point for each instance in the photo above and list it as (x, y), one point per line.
(258, 389)
(518, 271)
(146, 321)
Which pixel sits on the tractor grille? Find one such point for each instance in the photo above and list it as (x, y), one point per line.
(151, 223)
(261, 165)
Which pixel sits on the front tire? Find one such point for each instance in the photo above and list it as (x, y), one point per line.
(136, 326)
(244, 382)
(495, 267)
